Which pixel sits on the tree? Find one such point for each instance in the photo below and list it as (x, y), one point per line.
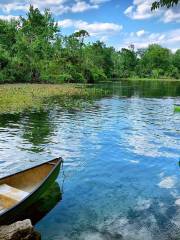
(128, 61)
(164, 3)
(33, 43)
(32, 49)
(156, 60)
(81, 35)
(176, 59)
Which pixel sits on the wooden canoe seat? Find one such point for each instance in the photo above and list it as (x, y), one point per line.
(10, 196)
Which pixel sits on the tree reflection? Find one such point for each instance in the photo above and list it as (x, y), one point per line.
(44, 205)
(140, 88)
(38, 127)
(9, 120)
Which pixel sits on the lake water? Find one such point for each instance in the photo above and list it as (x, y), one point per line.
(121, 171)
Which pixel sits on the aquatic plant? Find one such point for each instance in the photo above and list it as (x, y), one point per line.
(21, 97)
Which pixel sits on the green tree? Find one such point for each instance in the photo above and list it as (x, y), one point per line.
(128, 62)
(176, 59)
(8, 30)
(33, 44)
(32, 49)
(156, 60)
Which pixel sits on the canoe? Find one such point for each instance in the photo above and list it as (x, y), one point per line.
(20, 190)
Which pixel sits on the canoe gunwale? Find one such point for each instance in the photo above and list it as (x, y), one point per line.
(11, 175)
(56, 165)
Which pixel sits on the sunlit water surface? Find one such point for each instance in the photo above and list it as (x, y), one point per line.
(121, 169)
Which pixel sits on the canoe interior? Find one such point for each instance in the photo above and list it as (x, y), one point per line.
(15, 188)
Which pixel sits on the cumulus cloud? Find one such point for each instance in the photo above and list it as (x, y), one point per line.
(141, 9)
(58, 7)
(13, 6)
(94, 29)
(19, 5)
(172, 15)
(140, 33)
(142, 38)
(82, 6)
(8, 17)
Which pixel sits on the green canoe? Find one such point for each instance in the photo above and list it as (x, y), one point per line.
(21, 190)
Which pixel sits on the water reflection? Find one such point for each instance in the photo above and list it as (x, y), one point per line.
(139, 88)
(44, 205)
(121, 154)
(38, 128)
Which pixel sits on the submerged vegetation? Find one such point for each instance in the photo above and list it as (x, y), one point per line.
(21, 97)
(32, 49)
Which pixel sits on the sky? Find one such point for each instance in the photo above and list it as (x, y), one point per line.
(118, 23)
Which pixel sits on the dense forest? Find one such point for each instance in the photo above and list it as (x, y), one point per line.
(32, 49)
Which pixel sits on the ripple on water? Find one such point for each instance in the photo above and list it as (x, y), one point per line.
(121, 168)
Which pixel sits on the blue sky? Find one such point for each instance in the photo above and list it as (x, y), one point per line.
(117, 23)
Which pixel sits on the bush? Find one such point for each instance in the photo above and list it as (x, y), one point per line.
(158, 72)
(78, 77)
(95, 75)
(173, 72)
(58, 78)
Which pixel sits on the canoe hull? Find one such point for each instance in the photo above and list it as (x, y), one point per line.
(14, 214)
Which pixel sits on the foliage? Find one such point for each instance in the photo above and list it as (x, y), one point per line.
(164, 3)
(33, 50)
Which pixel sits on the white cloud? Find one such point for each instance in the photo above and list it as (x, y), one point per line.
(66, 23)
(81, 6)
(58, 7)
(129, 11)
(24, 5)
(142, 38)
(13, 6)
(140, 33)
(171, 15)
(141, 9)
(8, 17)
(94, 29)
(134, 161)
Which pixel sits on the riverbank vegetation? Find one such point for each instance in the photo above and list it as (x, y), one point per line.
(32, 49)
(21, 97)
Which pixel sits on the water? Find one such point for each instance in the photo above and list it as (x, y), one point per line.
(121, 170)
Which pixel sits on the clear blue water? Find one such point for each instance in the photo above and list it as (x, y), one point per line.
(121, 169)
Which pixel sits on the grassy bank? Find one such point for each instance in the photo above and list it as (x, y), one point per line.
(21, 97)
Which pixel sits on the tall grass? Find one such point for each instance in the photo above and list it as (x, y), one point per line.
(21, 97)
